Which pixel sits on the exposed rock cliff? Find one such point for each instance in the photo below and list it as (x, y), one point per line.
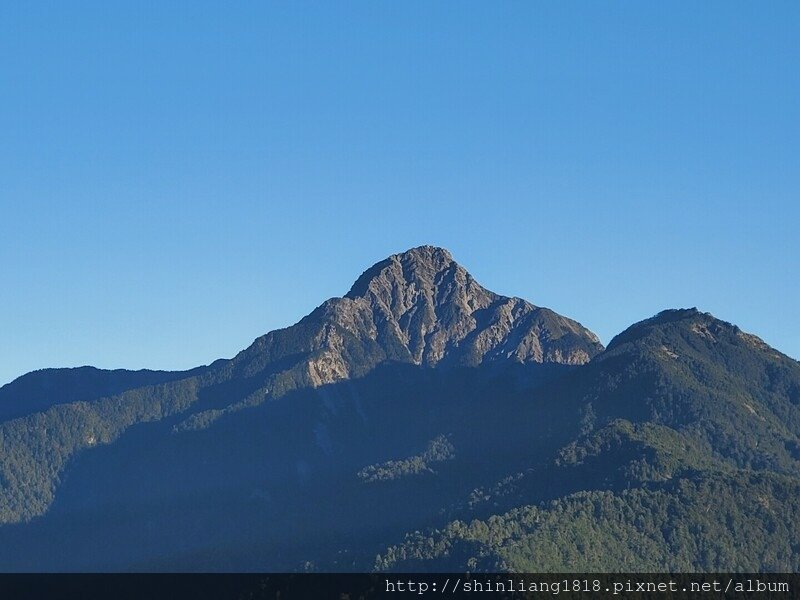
(421, 307)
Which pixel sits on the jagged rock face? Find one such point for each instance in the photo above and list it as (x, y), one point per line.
(435, 308)
(422, 307)
(425, 300)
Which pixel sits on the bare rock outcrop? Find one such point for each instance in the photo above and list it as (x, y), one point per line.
(420, 307)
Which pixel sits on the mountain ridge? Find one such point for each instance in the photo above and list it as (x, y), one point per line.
(300, 451)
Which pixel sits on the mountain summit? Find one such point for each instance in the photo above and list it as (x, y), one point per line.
(423, 308)
(437, 310)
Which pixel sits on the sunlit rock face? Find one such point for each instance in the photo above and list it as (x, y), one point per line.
(424, 308)
(431, 305)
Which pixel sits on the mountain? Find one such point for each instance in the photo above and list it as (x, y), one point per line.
(418, 308)
(419, 422)
(688, 459)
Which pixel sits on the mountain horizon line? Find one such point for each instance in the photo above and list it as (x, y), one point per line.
(426, 254)
(417, 379)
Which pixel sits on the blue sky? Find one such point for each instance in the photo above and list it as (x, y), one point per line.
(177, 178)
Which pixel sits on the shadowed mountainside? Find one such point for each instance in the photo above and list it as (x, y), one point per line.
(687, 459)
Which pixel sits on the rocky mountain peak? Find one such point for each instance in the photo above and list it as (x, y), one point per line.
(428, 309)
(422, 287)
(418, 307)
(420, 267)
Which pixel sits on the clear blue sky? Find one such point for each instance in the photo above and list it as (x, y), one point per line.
(177, 178)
